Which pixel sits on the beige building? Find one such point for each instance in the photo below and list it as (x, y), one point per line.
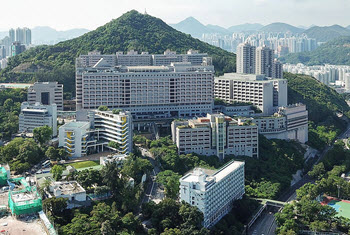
(46, 93)
(265, 93)
(216, 134)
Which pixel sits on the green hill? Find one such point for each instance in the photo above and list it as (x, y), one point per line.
(336, 51)
(130, 31)
(322, 103)
(281, 27)
(327, 33)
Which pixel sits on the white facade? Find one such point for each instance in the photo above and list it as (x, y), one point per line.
(245, 58)
(264, 61)
(46, 93)
(37, 115)
(289, 123)
(213, 192)
(74, 137)
(215, 134)
(265, 93)
(175, 90)
(71, 190)
(79, 138)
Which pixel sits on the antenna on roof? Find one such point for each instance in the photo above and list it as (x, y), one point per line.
(145, 12)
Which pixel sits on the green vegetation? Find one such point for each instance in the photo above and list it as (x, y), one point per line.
(327, 33)
(130, 31)
(10, 107)
(322, 103)
(333, 52)
(84, 164)
(42, 134)
(57, 171)
(103, 108)
(306, 212)
(171, 182)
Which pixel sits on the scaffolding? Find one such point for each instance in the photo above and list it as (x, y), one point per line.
(26, 200)
(3, 176)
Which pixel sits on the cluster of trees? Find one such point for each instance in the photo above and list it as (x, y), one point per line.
(323, 104)
(306, 212)
(173, 217)
(130, 31)
(22, 154)
(10, 107)
(333, 52)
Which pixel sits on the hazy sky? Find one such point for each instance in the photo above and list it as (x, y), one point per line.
(67, 14)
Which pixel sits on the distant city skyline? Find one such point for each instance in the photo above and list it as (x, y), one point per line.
(81, 14)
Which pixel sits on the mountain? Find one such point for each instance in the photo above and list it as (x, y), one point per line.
(336, 51)
(218, 29)
(326, 33)
(192, 26)
(130, 31)
(348, 27)
(281, 27)
(47, 35)
(245, 27)
(4, 34)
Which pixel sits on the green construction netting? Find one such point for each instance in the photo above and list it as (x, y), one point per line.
(26, 206)
(3, 176)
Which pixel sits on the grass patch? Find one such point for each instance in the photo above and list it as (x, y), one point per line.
(84, 164)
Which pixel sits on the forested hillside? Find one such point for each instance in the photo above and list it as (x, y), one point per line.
(130, 31)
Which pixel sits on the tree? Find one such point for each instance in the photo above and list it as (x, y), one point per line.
(103, 108)
(89, 177)
(55, 205)
(171, 182)
(42, 134)
(52, 153)
(135, 167)
(112, 178)
(106, 228)
(114, 145)
(29, 152)
(317, 171)
(116, 111)
(57, 172)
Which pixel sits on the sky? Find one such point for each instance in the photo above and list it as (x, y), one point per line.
(68, 14)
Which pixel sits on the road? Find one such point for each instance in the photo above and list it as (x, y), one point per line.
(152, 191)
(263, 224)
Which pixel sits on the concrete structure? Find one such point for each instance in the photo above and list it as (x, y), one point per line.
(37, 115)
(23, 35)
(246, 61)
(289, 123)
(213, 192)
(149, 92)
(216, 134)
(264, 61)
(265, 93)
(239, 110)
(119, 159)
(46, 93)
(80, 138)
(71, 190)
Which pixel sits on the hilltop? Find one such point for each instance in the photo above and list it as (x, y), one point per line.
(322, 103)
(281, 27)
(327, 33)
(245, 27)
(130, 31)
(336, 51)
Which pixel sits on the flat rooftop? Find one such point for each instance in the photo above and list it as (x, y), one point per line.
(76, 124)
(67, 187)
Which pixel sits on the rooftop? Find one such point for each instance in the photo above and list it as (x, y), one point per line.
(76, 124)
(66, 188)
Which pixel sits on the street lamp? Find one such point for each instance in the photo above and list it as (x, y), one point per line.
(338, 186)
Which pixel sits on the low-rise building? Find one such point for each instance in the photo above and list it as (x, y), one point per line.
(213, 192)
(71, 190)
(118, 159)
(216, 134)
(232, 110)
(37, 115)
(289, 123)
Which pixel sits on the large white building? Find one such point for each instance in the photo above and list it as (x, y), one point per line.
(264, 61)
(289, 123)
(166, 90)
(37, 115)
(213, 192)
(216, 134)
(46, 93)
(265, 93)
(80, 138)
